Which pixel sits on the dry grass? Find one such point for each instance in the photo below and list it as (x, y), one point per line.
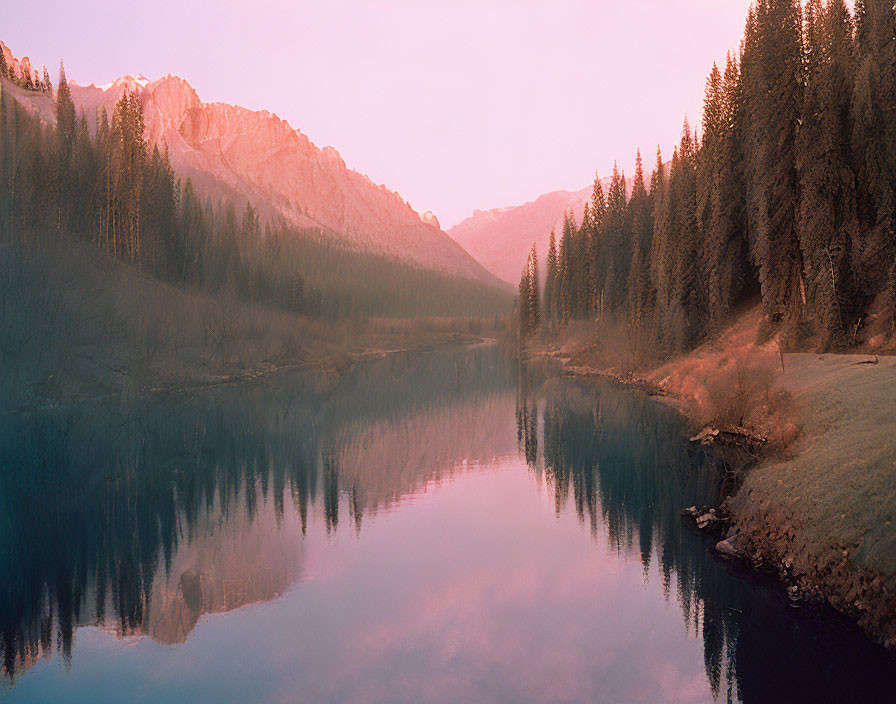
(616, 348)
(734, 380)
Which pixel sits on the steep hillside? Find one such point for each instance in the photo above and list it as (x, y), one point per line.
(500, 239)
(229, 150)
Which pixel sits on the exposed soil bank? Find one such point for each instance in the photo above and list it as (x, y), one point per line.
(817, 505)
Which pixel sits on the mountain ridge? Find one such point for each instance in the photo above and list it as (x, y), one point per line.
(261, 157)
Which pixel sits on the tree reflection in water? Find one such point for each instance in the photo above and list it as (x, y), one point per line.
(140, 518)
(620, 461)
(97, 499)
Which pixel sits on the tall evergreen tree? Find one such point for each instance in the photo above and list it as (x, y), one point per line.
(687, 324)
(616, 245)
(874, 140)
(523, 302)
(710, 216)
(552, 291)
(534, 292)
(581, 266)
(775, 103)
(596, 272)
(827, 220)
(65, 133)
(529, 306)
(641, 218)
(660, 246)
(736, 271)
(567, 253)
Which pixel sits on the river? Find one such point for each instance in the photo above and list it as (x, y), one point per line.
(423, 528)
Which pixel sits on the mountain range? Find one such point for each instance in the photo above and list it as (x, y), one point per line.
(236, 154)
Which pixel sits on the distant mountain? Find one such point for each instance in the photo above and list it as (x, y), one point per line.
(238, 154)
(500, 239)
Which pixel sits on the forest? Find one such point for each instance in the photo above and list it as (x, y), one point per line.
(786, 193)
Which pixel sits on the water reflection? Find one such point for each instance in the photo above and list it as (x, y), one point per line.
(143, 519)
(620, 460)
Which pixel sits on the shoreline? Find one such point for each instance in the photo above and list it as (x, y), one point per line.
(836, 552)
(196, 380)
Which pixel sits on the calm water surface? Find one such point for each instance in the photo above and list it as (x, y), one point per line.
(423, 529)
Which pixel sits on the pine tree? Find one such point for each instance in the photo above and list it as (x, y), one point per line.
(736, 273)
(534, 307)
(688, 306)
(714, 250)
(616, 245)
(874, 140)
(827, 190)
(567, 294)
(775, 103)
(582, 271)
(749, 126)
(65, 133)
(523, 301)
(596, 273)
(641, 217)
(551, 298)
(660, 251)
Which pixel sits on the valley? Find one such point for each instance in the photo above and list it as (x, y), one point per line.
(268, 432)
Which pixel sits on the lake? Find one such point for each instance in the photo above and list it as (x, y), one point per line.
(424, 528)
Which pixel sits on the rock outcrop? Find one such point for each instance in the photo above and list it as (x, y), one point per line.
(430, 219)
(20, 67)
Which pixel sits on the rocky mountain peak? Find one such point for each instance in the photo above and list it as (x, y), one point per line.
(234, 154)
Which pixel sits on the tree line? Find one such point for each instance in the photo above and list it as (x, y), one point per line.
(108, 187)
(786, 193)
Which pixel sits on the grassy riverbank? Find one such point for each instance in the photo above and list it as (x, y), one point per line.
(819, 506)
(826, 518)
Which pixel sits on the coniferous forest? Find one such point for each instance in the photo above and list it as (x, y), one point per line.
(786, 192)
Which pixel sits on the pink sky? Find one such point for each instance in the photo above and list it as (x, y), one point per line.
(456, 104)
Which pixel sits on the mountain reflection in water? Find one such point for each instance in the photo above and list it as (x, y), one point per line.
(144, 519)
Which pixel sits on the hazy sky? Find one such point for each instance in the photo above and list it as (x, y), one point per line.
(456, 104)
